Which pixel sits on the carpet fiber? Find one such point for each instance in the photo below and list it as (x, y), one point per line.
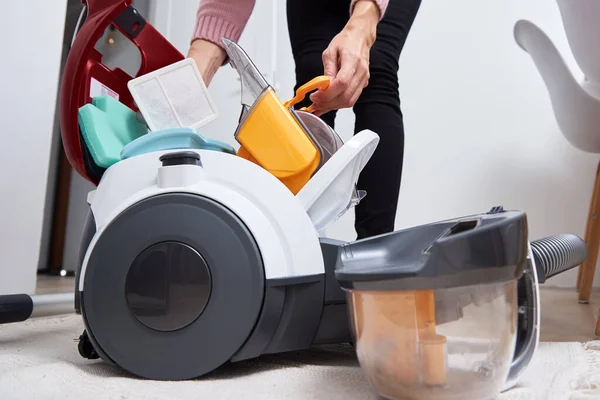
(39, 360)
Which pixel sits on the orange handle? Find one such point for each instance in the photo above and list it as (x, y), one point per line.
(320, 82)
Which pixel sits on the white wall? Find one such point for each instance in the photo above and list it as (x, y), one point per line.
(32, 32)
(479, 125)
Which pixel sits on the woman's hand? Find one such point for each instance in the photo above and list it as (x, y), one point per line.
(346, 60)
(208, 56)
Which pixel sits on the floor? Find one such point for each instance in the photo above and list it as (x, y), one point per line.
(563, 318)
(49, 284)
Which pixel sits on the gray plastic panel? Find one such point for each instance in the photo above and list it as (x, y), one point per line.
(89, 229)
(300, 317)
(229, 317)
(466, 251)
(266, 326)
(315, 311)
(334, 294)
(528, 325)
(168, 286)
(334, 327)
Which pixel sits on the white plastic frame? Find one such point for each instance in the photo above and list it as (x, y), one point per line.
(316, 196)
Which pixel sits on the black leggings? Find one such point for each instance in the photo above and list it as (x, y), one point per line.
(312, 24)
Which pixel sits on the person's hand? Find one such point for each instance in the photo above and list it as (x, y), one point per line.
(208, 57)
(346, 60)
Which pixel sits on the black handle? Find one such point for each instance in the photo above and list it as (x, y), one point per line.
(180, 158)
(15, 308)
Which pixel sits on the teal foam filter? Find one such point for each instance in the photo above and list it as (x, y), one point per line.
(107, 126)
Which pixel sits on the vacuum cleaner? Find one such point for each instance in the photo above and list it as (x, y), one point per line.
(196, 254)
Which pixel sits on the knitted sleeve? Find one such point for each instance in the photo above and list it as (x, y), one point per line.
(228, 18)
(216, 19)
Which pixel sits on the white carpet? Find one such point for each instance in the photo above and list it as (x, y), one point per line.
(39, 360)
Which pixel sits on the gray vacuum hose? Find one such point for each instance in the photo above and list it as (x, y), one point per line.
(556, 254)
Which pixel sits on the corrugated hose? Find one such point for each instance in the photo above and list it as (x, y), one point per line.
(556, 254)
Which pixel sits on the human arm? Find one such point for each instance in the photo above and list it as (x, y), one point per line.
(216, 19)
(346, 59)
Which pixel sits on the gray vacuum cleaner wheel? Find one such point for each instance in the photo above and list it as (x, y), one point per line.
(173, 287)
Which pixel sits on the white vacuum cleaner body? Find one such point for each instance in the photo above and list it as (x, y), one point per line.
(203, 247)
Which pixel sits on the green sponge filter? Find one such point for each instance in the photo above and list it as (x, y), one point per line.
(107, 126)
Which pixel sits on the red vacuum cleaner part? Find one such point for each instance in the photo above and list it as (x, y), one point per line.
(84, 63)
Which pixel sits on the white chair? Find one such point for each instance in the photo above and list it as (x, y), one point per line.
(576, 105)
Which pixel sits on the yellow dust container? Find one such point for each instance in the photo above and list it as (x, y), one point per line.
(270, 132)
(273, 138)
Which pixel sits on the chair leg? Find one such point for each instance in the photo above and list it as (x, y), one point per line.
(597, 333)
(585, 278)
(579, 275)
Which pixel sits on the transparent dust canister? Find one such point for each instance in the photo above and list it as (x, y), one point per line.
(434, 308)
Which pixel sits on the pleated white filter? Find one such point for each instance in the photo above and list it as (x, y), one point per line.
(174, 96)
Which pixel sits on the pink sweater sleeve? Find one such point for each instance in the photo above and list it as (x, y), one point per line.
(228, 18)
(216, 19)
(381, 4)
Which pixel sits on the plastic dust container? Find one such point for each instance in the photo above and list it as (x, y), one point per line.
(325, 138)
(268, 133)
(174, 96)
(434, 308)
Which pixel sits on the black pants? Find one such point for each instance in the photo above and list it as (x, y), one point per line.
(312, 24)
